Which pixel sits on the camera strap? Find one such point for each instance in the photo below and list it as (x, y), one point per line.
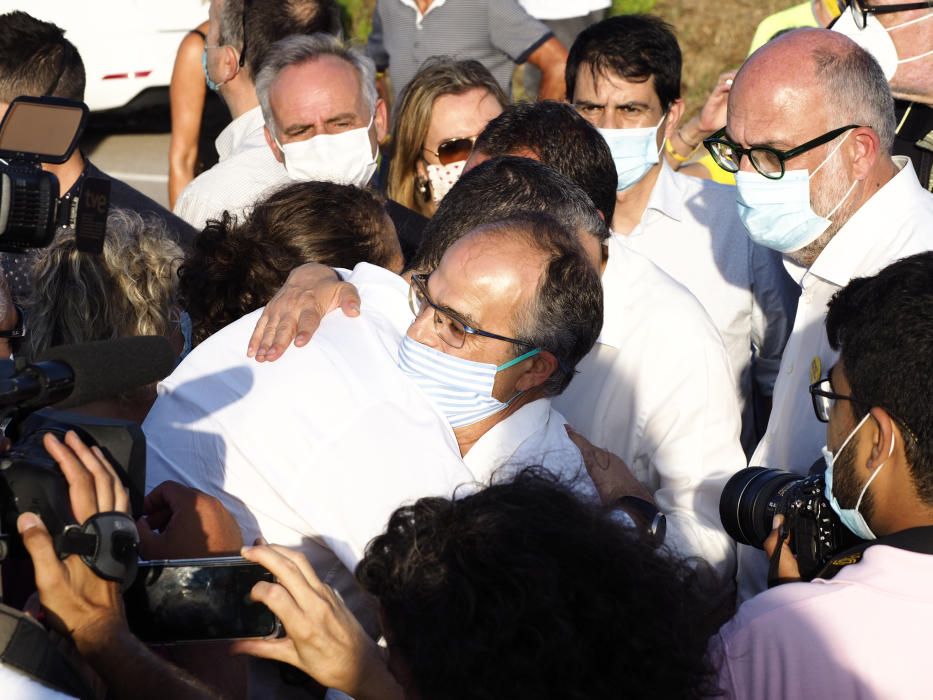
(915, 539)
(107, 543)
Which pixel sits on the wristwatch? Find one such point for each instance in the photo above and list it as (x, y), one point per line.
(19, 330)
(646, 517)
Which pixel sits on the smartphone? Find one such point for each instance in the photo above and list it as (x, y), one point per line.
(197, 600)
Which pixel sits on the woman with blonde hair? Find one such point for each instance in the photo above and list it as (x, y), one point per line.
(440, 114)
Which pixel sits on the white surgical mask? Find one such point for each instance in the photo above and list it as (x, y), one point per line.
(443, 177)
(460, 388)
(346, 158)
(777, 213)
(876, 40)
(851, 517)
(634, 151)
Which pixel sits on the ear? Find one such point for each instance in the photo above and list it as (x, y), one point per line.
(276, 151)
(538, 370)
(884, 439)
(864, 150)
(673, 117)
(381, 120)
(229, 63)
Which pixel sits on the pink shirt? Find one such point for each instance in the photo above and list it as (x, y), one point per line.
(866, 633)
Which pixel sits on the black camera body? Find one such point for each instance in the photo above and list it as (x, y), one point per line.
(753, 496)
(37, 130)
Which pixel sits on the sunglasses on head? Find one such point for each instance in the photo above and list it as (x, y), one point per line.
(453, 150)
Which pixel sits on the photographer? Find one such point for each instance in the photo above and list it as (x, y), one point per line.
(835, 636)
(83, 607)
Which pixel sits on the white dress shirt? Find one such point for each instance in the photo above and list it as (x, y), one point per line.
(692, 231)
(246, 172)
(896, 222)
(315, 450)
(657, 391)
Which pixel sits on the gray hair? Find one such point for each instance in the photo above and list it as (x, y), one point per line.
(129, 289)
(298, 49)
(857, 91)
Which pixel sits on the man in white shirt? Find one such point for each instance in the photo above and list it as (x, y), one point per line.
(317, 450)
(238, 34)
(623, 76)
(858, 630)
(666, 407)
(822, 112)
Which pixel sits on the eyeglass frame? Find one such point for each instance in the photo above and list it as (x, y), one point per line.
(782, 156)
(816, 391)
(421, 282)
(862, 11)
(437, 153)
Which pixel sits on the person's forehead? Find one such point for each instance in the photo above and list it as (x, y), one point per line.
(313, 89)
(465, 114)
(782, 113)
(486, 276)
(607, 86)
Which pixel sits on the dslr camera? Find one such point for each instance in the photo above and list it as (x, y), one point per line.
(753, 496)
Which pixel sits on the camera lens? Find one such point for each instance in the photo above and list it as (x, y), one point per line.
(747, 504)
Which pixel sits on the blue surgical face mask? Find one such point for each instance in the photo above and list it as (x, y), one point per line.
(851, 517)
(461, 389)
(777, 213)
(634, 151)
(211, 85)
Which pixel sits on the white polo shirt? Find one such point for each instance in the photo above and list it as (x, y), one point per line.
(895, 223)
(315, 450)
(657, 391)
(692, 231)
(246, 172)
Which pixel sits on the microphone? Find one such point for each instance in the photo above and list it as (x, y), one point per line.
(66, 376)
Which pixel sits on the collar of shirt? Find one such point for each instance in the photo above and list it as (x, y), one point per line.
(858, 241)
(666, 198)
(497, 446)
(419, 18)
(238, 131)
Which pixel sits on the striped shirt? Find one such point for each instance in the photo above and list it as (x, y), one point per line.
(497, 33)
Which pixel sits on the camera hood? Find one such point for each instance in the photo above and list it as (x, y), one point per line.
(41, 129)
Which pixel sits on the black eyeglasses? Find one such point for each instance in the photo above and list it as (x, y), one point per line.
(447, 323)
(860, 10)
(766, 160)
(453, 150)
(825, 398)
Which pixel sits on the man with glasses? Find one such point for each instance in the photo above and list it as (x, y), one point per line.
(239, 32)
(442, 380)
(861, 628)
(900, 36)
(623, 76)
(809, 133)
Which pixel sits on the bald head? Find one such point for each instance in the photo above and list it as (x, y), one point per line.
(807, 82)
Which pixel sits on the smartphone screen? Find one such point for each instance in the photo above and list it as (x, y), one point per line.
(190, 600)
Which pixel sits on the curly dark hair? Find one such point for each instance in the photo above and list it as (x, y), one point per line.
(523, 591)
(237, 267)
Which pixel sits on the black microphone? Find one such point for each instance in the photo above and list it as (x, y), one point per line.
(72, 375)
